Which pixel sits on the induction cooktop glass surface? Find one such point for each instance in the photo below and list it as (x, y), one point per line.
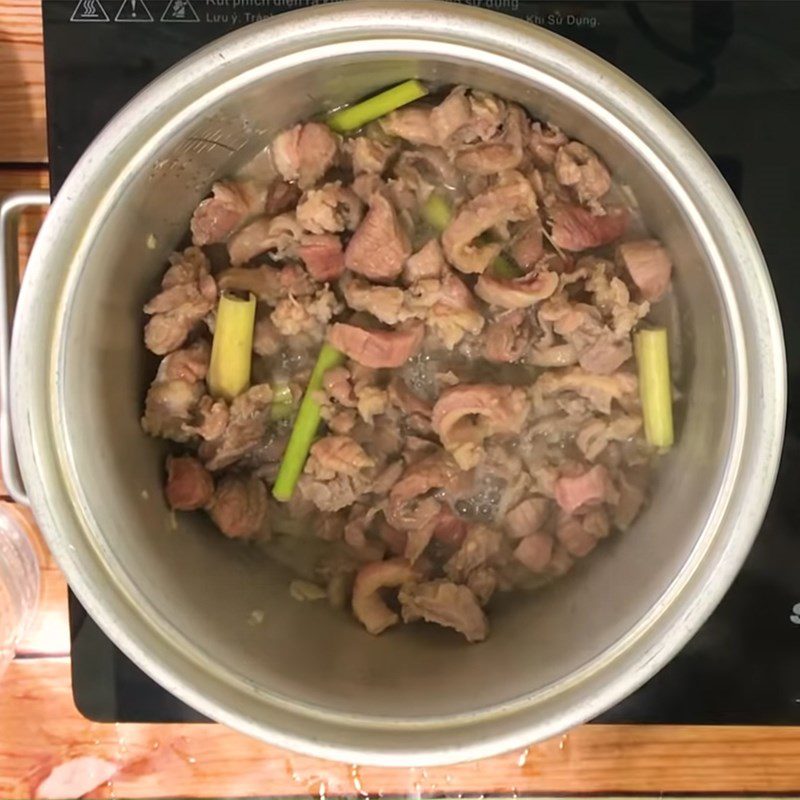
(730, 71)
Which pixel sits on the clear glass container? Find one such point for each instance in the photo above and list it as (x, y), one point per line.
(19, 584)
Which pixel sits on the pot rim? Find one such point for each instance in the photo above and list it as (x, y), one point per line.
(759, 379)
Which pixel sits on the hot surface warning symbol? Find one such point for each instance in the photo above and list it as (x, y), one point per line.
(179, 11)
(133, 11)
(89, 11)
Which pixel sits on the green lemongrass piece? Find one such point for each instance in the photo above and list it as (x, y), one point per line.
(232, 347)
(354, 117)
(282, 402)
(305, 426)
(436, 212)
(655, 388)
(503, 267)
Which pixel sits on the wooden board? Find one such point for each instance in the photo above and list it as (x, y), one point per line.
(23, 135)
(41, 729)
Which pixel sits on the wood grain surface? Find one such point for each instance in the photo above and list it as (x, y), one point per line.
(23, 136)
(42, 729)
(42, 735)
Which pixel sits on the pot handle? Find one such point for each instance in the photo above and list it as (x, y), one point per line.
(11, 208)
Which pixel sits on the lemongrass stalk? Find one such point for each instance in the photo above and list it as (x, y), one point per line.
(232, 348)
(350, 119)
(305, 426)
(655, 388)
(282, 402)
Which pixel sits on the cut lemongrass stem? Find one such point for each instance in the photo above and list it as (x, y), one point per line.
(655, 388)
(305, 426)
(352, 118)
(232, 347)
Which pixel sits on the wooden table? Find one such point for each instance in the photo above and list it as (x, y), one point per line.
(41, 731)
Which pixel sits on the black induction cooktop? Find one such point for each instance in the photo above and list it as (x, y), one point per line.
(730, 71)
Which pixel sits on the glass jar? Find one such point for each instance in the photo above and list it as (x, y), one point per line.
(19, 584)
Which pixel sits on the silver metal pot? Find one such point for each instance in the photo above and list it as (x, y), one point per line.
(180, 602)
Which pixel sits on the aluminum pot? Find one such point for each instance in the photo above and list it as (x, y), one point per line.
(180, 602)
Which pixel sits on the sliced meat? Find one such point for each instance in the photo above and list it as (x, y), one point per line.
(593, 438)
(266, 339)
(338, 386)
(372, 402)
(406, 498)
(535, 551)
(527, 245)
(444, 603)
(606, 354)
(380, 245)
(649, 266)
(450, 115)
(507, 338)
(598, 348)
(521, 292)
(403, 398)
(483, 583)
(369, 607)
(188, 364)
(499, 154)
(573, 492)
(189, 484)
(385, 303)
(305, 152)
(337, 473)
(480, 545)
(631, 499)
(428, 262)
(600, 390)
(268, 284)
(377, 349)
(169, 408)
(208, 419)
(527, 517)
(450, 529)
(239, 506)
(576, 228)
(512, 200)
(280, 234)
(579, 535)
(580, 168)
(413, 124)
(388, 477)
(447, 306)
(308, 316)
(231, 204)
(188, 293)
(281, 196)
(419, 537)
(369, 155)
(332, 208)
(336, 455)
(544, 142)
(247, 422)
(425, 169)
(485, 121)
(323, 256)
(467, 414)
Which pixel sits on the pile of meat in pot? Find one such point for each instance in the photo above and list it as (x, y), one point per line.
(483, 430)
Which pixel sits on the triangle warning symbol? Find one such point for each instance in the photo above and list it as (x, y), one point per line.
(179, 11)
(133, 11)
(89, 11)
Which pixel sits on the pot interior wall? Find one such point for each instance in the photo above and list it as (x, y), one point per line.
(206, 588)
